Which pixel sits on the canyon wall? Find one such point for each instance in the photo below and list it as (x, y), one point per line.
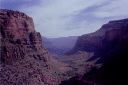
(24, 60)
(109, 45)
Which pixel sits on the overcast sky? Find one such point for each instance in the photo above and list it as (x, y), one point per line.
(58, 18)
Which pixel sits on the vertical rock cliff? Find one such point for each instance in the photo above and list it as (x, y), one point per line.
(24, 60)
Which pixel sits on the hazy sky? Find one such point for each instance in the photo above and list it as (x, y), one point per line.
(56, 18)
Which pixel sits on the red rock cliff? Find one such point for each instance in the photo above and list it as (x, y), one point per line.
(23, 60)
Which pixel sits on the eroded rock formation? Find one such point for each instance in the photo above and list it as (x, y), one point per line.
(109, 44)
(24, 60)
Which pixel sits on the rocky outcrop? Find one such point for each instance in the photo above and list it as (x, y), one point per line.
(24, 60)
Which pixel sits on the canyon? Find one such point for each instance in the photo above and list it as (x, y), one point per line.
(98, 58)
(24, 60)
(109, 45)
(60, 45)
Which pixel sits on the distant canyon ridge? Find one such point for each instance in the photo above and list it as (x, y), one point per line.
(61, 45)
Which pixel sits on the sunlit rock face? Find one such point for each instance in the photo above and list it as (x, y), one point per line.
(18, 37)
(15, 24)
(24, 60)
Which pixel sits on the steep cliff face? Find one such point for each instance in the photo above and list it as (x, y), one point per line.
(24, 60)
(112, 51)
(93, 41)
(18, 36)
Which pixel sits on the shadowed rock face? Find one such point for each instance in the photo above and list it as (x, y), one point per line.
(93, 41)
(112, 49)
(24, 60)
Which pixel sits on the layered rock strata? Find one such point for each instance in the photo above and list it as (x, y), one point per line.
(23, 60)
